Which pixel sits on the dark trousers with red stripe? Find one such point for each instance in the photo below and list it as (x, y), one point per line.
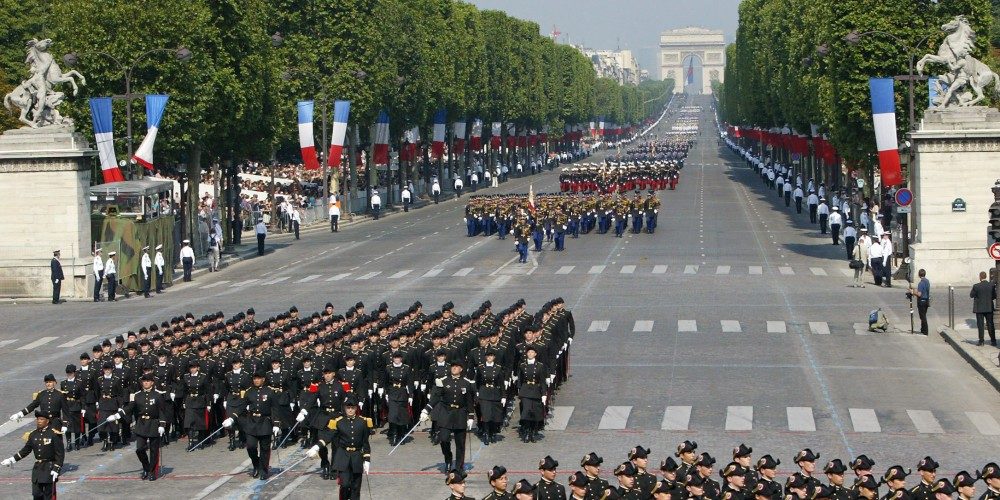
(148, 451)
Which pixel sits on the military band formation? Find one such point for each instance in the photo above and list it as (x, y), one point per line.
(325, 381)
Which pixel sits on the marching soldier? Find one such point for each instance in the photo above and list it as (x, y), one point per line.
(257, 424)
(497, 476)
(735, 477)
(45, 443)
(531, 378)
(329, 405)
(456, 483)
(862, 467)
(577, 486)
(835, 470)
(110, 389)
(703, 470)
(669, 485)
(806, 461)
(742, 455)
(349, 436)
(644, 481)
(236, 382)
(895, 478)
(398, 397)
(596, 486)
(453, 402)
(196, 393)
(965, 485)
(73, 392)
(50, 401)
(149, 411)
(927, 468)
(991, 475)
(490, 379)
(547, 488)
(626, 479)
(686, 452)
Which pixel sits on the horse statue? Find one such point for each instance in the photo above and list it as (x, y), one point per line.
(36, 97)
(964, 70)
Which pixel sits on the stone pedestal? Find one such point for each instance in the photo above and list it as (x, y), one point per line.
(957, 156)
(44, 206)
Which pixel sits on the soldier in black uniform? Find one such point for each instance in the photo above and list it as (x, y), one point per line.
(806, 461)
(670, 485)
(991, 476)
(767, 470)
(862, 466)
(257, 424)
(965, 485)
(686, 451)
(742, 455)
(456, 482)
(73, 391)
(490, 378)
(769, 490)
(235, 384)
(943, 487)
(835, 470)
(596, 486)
(329, 405)
(398, 396)
(46, 444)
(735, 478)
(927, 468)
(644, 481)
(196, 392)
(866, 487)
(149, 411)
(703, 468)
(547, 488)
(532, 378)
(626, 480)
(87, 375)
(497, 477)
(452, 402)
(577, 486)
(349, 437)
(50, 401)
(895, 478)
(694, 483)
(797, 487)
(524, 490)
(110, 391)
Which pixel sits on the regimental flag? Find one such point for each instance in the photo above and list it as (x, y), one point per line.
(600, 128)
(341, 113)
(100, 113)
(884, 117)
(155, 104)
(306, 140)
(593, 129)
(477, 135)
(531, 198)
(458, 135)
(495, 137)
(690, 73)
(437, 138)
(380, 152)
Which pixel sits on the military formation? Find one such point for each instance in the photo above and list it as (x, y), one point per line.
(325, 381)
(690, 475)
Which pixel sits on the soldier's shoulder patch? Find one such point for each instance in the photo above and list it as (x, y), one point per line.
(26, 436)
(369, 422)
(728, 495)
(333, 423)
(34, 395)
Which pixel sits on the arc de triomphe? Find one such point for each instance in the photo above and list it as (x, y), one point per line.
(707, 45)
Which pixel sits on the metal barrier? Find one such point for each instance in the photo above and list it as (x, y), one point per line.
(951, 307)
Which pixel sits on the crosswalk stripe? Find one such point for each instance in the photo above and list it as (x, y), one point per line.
(739, 418)
(925, 422)
(628, 269)
(785, 270)
(731, 326)
(217, 283)
(400, 274)
(463, 271)
(643, 326)
(776, 327)
(599, 326)
(676, 418)
(244, 283)
(847, 272)
(560, 418)
(984, 422)
(368, 276)
(660, 269)
(864, 420)
(800, 419)
(309, 278)
(615, 417)
(689, 269)
(77, 341)
(40, 342)
(687, 325)
(818, 271)
(596, 269)
(337, 277)
(432, 273)
(819, 327)
(756, 269)
(277, 280)
(722, 269)
(565, 270)
(5, 343)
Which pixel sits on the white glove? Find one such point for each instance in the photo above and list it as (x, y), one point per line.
(570, 340)
(15, 417)
(111, 418)
(464, 219)
(544, 399)
(291, 406)
(215, 398)
(63, 429)
(55, 475)
(172, 396)
(369, 393)
(313, 452)
(423, 387)
(424, 416)
(361, 405)
(506, 384)
(380, 391)
(300, 418)
(366, 466)
(409, 401)
(8, 462)
(304, 412)
(471, 423)
(416, 384)
(276, 431)
(160, 430)
(83, 412)
(564, 227)
(503, 401)
(655, 211)
(224, 404)
(227, 423)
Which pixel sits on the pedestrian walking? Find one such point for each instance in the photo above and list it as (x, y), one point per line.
(376, 203)
(56, 276)
(261, 231)
(187, 259)
(111, 273)
(813, 202)
(159, 262)
(984, 295)
(923, 294)
(458, 187)
(98, 268)
(798, 194)
(146, 266)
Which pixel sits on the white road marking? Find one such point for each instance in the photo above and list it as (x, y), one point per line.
(560, 418)
(463, 271)
(5, 343)
(78, 341)
(984, 422)
(643, 326)
(243, 283)
(432, 273)
(800, 419)
(596, 269)
(676, 418)
(338, 277)
(819, 327)
(786, 270)
(599, 326)
(565, 270)
(722, 269)
(309, 278)
(776, 327)
(687, 325)
(739, 418)
(689, 269)
(756, 270)
(628, 269)
(864, 420)
(40, 342)
(925, 422)
(217, 283)
(615, 418)
(731, 326)
(368, 276)
(660, 269)
(818, 271)
(276, 280)
(400, 274)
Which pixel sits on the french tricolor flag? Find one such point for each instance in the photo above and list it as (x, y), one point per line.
(477, 135)
(458, 133)
(884, 116)
(306, 141)
(381, 149)
(100, 113)
(495, 135)
(437, 140)
(155, 104)
(341, 112)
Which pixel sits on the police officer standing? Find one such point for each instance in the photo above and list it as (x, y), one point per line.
(98, 268)
(57, 276)
(147, 271)
(187, 258)
(46, 444)
(256, 424)
(148, 409)
(452, 402)
(159, 262)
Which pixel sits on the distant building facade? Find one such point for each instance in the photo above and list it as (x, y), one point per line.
(677, 46)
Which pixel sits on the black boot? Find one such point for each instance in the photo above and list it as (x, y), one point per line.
(256, 467)
(232, 442)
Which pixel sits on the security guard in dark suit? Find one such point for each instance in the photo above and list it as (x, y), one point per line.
(50, 402)
(257, 424)
(547, 488)
(349, 436)
(452, 402)
(46, 444)
(148, 409)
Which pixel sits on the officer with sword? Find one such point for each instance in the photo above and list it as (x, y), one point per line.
(257, 423)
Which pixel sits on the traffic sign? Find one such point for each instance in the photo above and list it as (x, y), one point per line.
(904, 197)
(995, 251)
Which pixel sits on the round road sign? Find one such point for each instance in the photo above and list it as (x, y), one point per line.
(904, 197)
(995, 251)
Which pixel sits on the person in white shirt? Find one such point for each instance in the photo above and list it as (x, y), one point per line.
(822, 190)
(159, 263)
(824, 213)
(406, 196)
(780, 183)
(458, 187)
(788, 194)
(146, 266)
(877, 225)
(296, 220)
(798, 195)
(850, 237)
(836, 221)
(887, 260)
(474, 181)
(435, 191)
(875, 260)
(376, 203)
(261, 231)
(111, 273)
(335, 214)
(98, 274)
(187, 258)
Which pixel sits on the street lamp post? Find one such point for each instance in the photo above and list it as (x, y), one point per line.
(182, 54)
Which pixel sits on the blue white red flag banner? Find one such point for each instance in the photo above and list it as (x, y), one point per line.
(307, 142)
(884, 117)
(341, 114)
(155, 104)
(477, 135)
(100, 113)
(380, 153)
(437, 137)
(458, 135)
(495, 136)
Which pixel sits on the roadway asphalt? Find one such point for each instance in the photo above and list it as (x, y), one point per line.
(733, 323)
